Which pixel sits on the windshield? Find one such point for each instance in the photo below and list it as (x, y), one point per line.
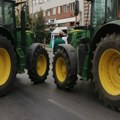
(104, 11)
(98, 12)
(6, 13)
(111, 11)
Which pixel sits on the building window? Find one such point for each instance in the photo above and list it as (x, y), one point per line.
(72, 7)
(62, 25)
(54, 11)
(71, 23)
(59, 10)
(48, 12)
(65, 8)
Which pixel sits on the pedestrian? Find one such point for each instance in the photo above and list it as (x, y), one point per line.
(58, 41)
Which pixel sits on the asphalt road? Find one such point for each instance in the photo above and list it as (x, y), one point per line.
(46, 102)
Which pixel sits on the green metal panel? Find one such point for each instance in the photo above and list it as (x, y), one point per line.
(19, 38)
(85, 67)
(77, 35)
(29, 38)
(20, 53)
(21, 57)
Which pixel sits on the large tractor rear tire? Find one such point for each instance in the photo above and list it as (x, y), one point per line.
(7, 66)
(106, 70)
(62, 71)
(39, 68)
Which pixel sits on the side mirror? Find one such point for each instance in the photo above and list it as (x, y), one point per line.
(76, 7)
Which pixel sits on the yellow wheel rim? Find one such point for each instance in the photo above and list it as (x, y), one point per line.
(109, 71)
(5, 66)
(41, 65)
(61, 69)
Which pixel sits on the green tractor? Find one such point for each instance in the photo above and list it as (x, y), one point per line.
(97, 57)
(16, 52)
(75, 35)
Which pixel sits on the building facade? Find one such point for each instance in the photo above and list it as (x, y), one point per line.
(60, 12)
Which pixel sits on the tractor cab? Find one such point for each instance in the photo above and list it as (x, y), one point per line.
(100, 12)
(8, 21)
(103, 11)
(24, 34)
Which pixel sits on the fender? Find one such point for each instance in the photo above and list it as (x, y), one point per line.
(109, 28)
(72, 54)
(30, 52)
(6, 33)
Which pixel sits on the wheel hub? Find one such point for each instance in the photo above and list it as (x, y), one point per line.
(109, 71)
(5, 66)
(61, 69)
(41, 65)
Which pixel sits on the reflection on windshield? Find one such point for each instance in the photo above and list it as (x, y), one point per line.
(6, 13)
(111, 9)
(1, 11)
(99, 12)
